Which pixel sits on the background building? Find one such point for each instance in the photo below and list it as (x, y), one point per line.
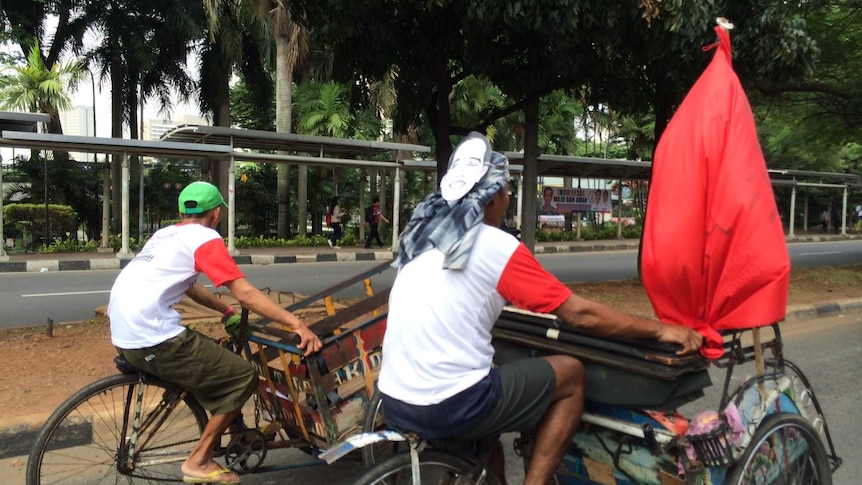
(79, 121)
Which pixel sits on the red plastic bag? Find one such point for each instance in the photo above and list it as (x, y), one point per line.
(328, 219)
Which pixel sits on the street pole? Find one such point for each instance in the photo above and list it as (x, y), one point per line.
(45, 183)
(3, 256)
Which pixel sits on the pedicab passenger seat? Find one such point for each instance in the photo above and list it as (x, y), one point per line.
(623, 372)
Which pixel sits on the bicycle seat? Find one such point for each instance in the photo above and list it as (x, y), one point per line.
(124, 366)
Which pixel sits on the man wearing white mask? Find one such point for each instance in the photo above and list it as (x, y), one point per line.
(457, 270)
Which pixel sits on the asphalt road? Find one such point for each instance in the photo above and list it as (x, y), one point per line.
(30, 299)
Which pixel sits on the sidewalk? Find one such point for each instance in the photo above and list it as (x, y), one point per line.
(35, 262)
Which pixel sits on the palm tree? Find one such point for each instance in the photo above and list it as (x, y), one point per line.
(291, 47)
(141, 44)
(236, 41)
(35, 87)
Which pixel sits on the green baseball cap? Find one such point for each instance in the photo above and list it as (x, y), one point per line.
(199, 197)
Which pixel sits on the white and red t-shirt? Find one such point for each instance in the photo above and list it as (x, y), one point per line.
(438, 333)
(140, 307)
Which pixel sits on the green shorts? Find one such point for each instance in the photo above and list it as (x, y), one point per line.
(220, 380)
(526, 389)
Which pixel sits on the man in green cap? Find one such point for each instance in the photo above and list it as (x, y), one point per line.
(147, 331)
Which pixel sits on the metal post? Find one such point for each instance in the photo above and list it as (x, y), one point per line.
(106, 207)
(231, 207)
(792, 211)
(844, 214)
(520, 206)
(47, 216)
(396, 207)
(3, 255)
(619, 210)
(141, 201)
(125, 252)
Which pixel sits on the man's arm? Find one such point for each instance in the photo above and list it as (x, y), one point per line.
(597, 319)
(252, 298)
(203, 296)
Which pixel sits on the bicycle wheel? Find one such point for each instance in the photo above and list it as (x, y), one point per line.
(374, 421)
(436, 468)
(784, 449)
(87, 440)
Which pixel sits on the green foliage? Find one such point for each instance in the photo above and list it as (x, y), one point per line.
(607, 231)
(116, 242)
(247, 111)
(271, 242)
(69, 245)
(35, 87)
(31, 217)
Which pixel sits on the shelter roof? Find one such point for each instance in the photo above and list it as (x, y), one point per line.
(289, 142)
(93, 144)
(15, 121)
(810, 178)
(588, 167)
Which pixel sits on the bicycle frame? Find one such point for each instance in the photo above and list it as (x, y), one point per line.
(151, 424)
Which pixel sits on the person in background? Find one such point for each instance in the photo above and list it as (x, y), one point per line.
(335, 214)
(824, 220)
(456, 271)
(373, 220)
(148, 333)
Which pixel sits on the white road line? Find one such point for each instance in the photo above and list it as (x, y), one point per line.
(823, 252)
(67, 294)
(70, 293)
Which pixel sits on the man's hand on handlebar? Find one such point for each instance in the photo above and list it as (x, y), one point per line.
(308, 341)
(690, 340)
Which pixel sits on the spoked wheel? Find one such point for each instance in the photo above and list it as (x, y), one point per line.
(785, 449)
(374, 421)
(435, 468)
(88, 439)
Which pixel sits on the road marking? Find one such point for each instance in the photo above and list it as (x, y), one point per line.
(823, 252)
(67, 294)
(71, 293)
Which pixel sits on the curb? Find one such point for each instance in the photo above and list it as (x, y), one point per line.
(48, 265)
(52, 265)
(828, 309)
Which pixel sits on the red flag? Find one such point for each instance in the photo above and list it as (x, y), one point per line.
(713, 254)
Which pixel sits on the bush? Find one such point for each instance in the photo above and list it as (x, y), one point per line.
(69, 245)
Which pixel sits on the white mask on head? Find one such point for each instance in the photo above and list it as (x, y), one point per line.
(468, 164)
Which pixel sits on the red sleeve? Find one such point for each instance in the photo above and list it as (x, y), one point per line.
(213, 260)
(527, 285)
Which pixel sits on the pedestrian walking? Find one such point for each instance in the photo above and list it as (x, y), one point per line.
(372, 218)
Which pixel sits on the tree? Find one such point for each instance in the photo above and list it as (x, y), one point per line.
(236, 41)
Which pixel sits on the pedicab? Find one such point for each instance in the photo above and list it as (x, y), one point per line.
(713, 257)
(136, 428)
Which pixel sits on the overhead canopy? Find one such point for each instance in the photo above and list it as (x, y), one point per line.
(813, 179)
(587, 167)
(11, 120)
(92, 144)
(286, 142)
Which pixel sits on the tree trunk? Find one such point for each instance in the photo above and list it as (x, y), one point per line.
(283, 94)
(442, 144)
(219, 168)
(116, 132)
